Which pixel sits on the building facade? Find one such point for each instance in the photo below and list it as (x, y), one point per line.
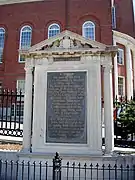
(123, 37)
(25, 23)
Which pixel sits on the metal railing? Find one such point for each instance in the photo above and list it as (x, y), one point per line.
(11, 113)
(12, 109)
(58, 170)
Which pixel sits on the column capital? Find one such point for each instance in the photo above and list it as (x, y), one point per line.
(107, 68)
(29, 69)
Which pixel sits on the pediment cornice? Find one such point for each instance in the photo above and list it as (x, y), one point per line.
(68, 43)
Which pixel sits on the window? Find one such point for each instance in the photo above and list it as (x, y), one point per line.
(0, 86)
(121, 86)
(88, 30)
(25, 40)
(53, 30)
(120, 56)
(17, 108)
(2, 39)
(21, 85)
(113, 17)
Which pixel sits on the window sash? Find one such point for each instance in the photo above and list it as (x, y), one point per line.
(121, 86)
(120, 56)
(89, 30)
(53, 30)
(113, 17)
(1, 54)
(2, 41)
(25, 40)
(21, 85)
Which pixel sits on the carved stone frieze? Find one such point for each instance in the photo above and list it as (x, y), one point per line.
(67, 44)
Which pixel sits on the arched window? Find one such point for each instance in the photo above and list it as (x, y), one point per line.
(25, 39)
(88, 30)
(2, 40)
(53, 30)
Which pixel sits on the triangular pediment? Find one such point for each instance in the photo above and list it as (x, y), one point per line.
(66, 40)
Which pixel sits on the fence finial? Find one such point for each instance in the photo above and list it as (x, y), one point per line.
(57, 167)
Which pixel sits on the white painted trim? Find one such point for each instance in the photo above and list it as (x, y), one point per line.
(84, 25)
(123, 38)
(21, 39)
(112, 2)
(123, 77)
(120, 49)
(1, 28)
(3, 2)
(17, 83)
(50, 27)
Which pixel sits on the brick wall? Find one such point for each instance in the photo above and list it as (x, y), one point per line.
(125, 17)
(70, 14)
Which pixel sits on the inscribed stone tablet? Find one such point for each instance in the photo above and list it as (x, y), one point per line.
(66, 107)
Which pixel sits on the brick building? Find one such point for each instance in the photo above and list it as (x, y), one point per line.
(24, 23)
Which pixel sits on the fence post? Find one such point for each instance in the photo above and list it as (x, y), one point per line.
(57, 167)
(134, 171)
(0, 168)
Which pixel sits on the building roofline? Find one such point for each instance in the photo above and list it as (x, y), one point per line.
(6, 2)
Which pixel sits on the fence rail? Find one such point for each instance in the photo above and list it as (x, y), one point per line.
(12, 108)
(11, 113)
(68, 171)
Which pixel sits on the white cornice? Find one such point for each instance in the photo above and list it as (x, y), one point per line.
(4, 2)
(123, 38)
(66, 44)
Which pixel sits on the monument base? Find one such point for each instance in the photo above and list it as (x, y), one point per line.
(111, 159)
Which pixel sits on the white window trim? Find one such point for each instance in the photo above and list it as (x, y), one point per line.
(83, 34)
(20, 41)
(17, 83)
(1, 28)
(123, 86)
(120, 49)
(52, 25)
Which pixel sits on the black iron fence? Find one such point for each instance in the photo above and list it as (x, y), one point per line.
(60, 170)
(12, 109)
(124, 122)
(11, 113)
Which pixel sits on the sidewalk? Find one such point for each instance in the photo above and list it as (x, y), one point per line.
(9, 139)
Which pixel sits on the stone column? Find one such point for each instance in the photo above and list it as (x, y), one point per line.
(129, 72)
(115, 74)
(134, 69)
(27, 110)
(108, 109)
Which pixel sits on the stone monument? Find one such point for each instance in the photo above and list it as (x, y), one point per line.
(64, 113)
